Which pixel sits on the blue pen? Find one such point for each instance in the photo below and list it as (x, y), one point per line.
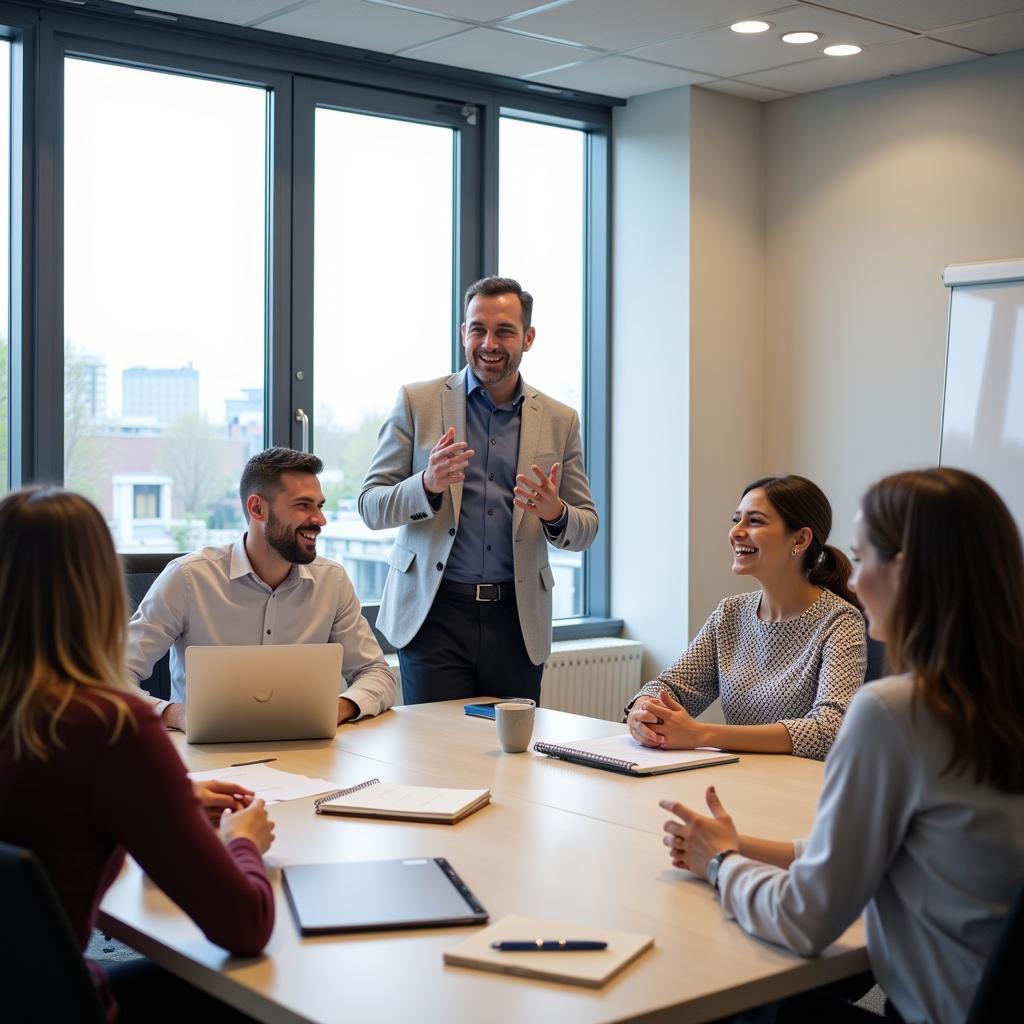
(547, 945)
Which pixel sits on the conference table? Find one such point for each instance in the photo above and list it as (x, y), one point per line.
(559, 841)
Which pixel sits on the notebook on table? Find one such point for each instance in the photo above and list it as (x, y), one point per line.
(622, 753)
(376, 799)
(591, 968)
(378, 895)
(262, 692)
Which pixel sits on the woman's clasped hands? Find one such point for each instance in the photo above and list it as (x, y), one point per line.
(663, 722)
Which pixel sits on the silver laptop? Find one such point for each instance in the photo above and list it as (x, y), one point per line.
(239, 694)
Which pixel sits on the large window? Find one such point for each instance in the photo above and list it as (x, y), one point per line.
(165, 240)
(223, 245)
(541, 244)
(383, 268)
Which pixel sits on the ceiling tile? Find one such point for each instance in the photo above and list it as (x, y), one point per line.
(363, 25)
(720, 51)
(877, 62)
(995, 35)
(471, 10)
(615, 25)
(925, 14)
(745, 90)
(618, 76)
(234, 12)
(500, 53)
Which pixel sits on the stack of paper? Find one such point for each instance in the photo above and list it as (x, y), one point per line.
(375, 799)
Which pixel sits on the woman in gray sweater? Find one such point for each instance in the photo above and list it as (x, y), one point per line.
(786, 659)
(921, 820)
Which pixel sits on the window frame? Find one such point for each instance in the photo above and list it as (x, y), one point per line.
(46, 35)
(22, 362)
(311, 94)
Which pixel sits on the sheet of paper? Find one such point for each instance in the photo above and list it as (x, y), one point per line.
(271, 784)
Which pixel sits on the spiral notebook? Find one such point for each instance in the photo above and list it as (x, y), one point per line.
(622, 753)
(376, 799)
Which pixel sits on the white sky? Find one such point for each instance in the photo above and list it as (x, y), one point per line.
(164, 226)
(165, 240)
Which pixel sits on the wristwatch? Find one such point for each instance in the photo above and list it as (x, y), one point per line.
(715, 864)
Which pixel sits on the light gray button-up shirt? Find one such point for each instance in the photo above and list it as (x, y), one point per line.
(213, 597)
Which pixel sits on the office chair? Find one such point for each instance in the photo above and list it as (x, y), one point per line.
(44, 975)
(139, 573)
(1002, 984)
(876, 660)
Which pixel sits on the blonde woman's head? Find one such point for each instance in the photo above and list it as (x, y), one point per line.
(62, 630)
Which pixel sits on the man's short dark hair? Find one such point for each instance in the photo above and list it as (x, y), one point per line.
(500, 286)
(262, 473)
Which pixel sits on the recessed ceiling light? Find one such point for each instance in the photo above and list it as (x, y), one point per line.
(801, 37)
(750, 27)
(842, 50)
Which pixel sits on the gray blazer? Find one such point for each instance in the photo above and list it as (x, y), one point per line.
(393, 495)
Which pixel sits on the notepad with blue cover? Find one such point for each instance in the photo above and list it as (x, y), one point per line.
(379, 895)
(621, 753)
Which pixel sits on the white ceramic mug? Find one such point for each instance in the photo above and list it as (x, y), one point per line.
(514, 719)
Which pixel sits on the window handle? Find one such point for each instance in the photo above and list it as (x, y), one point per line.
(301, 417)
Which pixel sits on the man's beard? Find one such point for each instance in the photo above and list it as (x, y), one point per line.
(495, 373)
(287, 544)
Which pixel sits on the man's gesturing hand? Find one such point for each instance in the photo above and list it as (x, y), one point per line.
(538, 494)
(447, 463)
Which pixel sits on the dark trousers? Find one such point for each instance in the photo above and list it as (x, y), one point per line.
(468, 648)
(830, 1004)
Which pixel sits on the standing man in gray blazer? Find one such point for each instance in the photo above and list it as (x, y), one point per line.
(481, 472)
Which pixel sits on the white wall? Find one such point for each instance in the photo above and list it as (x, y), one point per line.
(648, 518)
(871, 190)
(727, 258)
(777, 270)
(688, 273)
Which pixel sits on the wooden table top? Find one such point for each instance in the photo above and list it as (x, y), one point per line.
(559, 840)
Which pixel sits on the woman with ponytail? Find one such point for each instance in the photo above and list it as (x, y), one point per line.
(786, 659)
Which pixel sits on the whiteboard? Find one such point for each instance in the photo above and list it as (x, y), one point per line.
(983, 398)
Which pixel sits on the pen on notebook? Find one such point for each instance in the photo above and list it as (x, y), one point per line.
(260, 760)
(547, 945)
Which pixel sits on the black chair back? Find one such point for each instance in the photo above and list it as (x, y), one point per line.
(139, 572)
(45, 977)
(1002, 984)
(876, 660)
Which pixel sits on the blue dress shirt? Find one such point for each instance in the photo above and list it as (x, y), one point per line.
(482, 552)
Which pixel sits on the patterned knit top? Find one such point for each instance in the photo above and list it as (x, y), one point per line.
(801, 673)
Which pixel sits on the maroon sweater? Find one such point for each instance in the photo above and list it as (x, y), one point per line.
(88, 803)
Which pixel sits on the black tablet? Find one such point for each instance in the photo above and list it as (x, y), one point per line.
(378, 895)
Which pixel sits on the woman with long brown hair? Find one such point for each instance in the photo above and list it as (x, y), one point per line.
(921, 819)
(784, 660)
(87, 772)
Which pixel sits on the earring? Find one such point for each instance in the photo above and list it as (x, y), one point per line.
(795, 552)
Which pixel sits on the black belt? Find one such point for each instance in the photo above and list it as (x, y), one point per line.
(480, 591)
